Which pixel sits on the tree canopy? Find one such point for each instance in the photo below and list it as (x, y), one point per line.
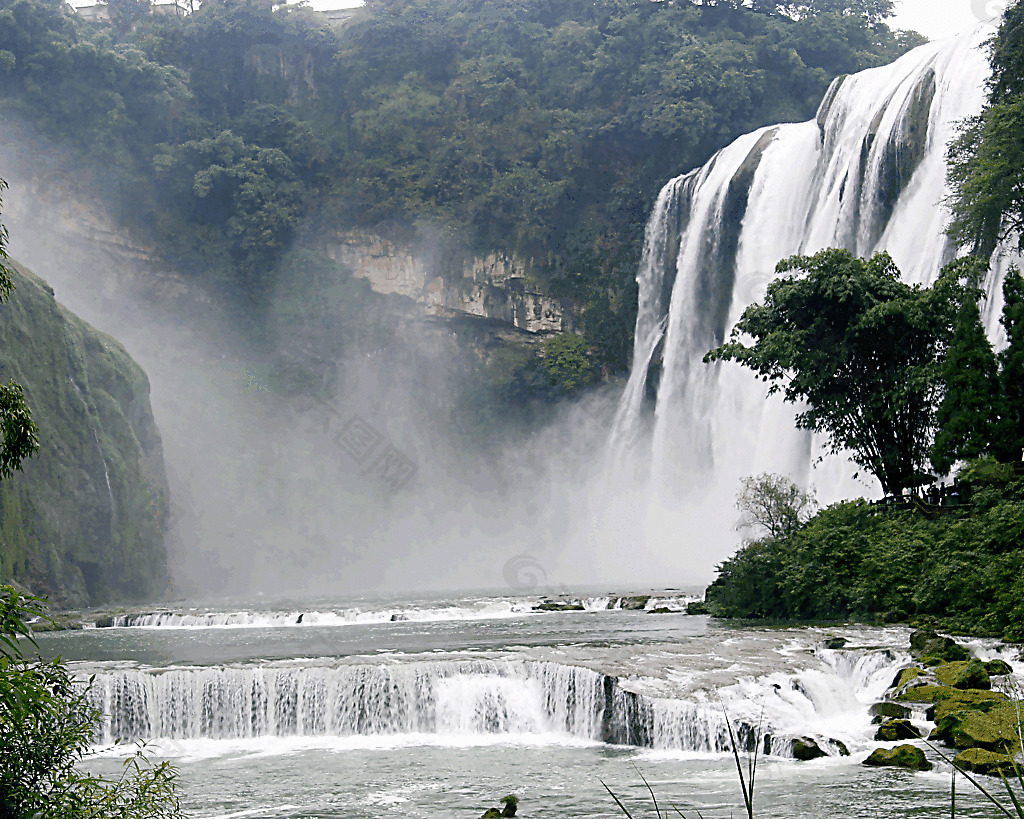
(541, 129)
(861, 348)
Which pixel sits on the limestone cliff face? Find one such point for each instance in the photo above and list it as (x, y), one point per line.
(492, 287)
(84, 521)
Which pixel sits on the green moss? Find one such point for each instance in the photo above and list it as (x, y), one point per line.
(84, 521)
(989, 763)
(994, 730)
(964, 675)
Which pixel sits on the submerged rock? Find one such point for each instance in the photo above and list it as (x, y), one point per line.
(893, 730)
(902, 756)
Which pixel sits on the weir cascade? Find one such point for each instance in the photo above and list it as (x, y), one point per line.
(867, 174)
(466, 698)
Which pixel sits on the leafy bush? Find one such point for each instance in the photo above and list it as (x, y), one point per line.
(46, 728)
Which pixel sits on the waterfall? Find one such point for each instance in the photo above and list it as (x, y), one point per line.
(867, 174)
(459, 698)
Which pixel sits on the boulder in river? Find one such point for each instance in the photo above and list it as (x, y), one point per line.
(902, 756)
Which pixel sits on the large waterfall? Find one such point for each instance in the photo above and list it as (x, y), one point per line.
(867, 174)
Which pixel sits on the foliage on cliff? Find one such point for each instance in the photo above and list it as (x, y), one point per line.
(540, 128)
(84, 520)
(986, 161)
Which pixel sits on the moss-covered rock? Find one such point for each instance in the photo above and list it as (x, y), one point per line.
(956, 700)
(888, 710)
(998, 668)
(84, 523)
(902, 756)
(924, 693)
(637, 602)
(980, 761)
(697, 607)
(893, 730)
(994, 730)
(925, 643)
(964, 675)
(906, 675)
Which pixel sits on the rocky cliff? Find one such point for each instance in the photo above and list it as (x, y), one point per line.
(84, 522)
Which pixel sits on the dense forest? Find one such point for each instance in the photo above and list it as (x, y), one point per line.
(905, 378)
(542, 129)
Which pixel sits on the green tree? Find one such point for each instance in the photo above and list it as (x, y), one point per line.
(861, 348)
(47, 726)
(1009, 436)
(967, 415)
(20, 434)
(566, 364)
(772, 505)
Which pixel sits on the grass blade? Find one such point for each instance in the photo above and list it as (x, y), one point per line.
(657, 811)
(617, 802)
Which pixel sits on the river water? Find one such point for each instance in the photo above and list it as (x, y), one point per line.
(427, 708)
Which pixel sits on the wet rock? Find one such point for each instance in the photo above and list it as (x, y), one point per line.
(399, 618)
(806, 749)
(924, 693)
(993, 730)
(635, 603)
(889, 710)
(107, 621)
(980, 761)
(554, 605)
(663, 610)
(906, 675)
(902, 756)
(969, 675)
(927, 644)
(836, 643)
(957, 700)
(697, 607)
(893, 730)
(839, 746)
(997, 668)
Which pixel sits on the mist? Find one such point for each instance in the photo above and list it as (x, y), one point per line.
(363, 483)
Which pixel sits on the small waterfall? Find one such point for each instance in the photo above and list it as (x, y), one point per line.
(867, 174)
(462, 698)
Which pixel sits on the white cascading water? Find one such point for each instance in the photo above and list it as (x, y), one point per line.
(867, 174)
(460, 698)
